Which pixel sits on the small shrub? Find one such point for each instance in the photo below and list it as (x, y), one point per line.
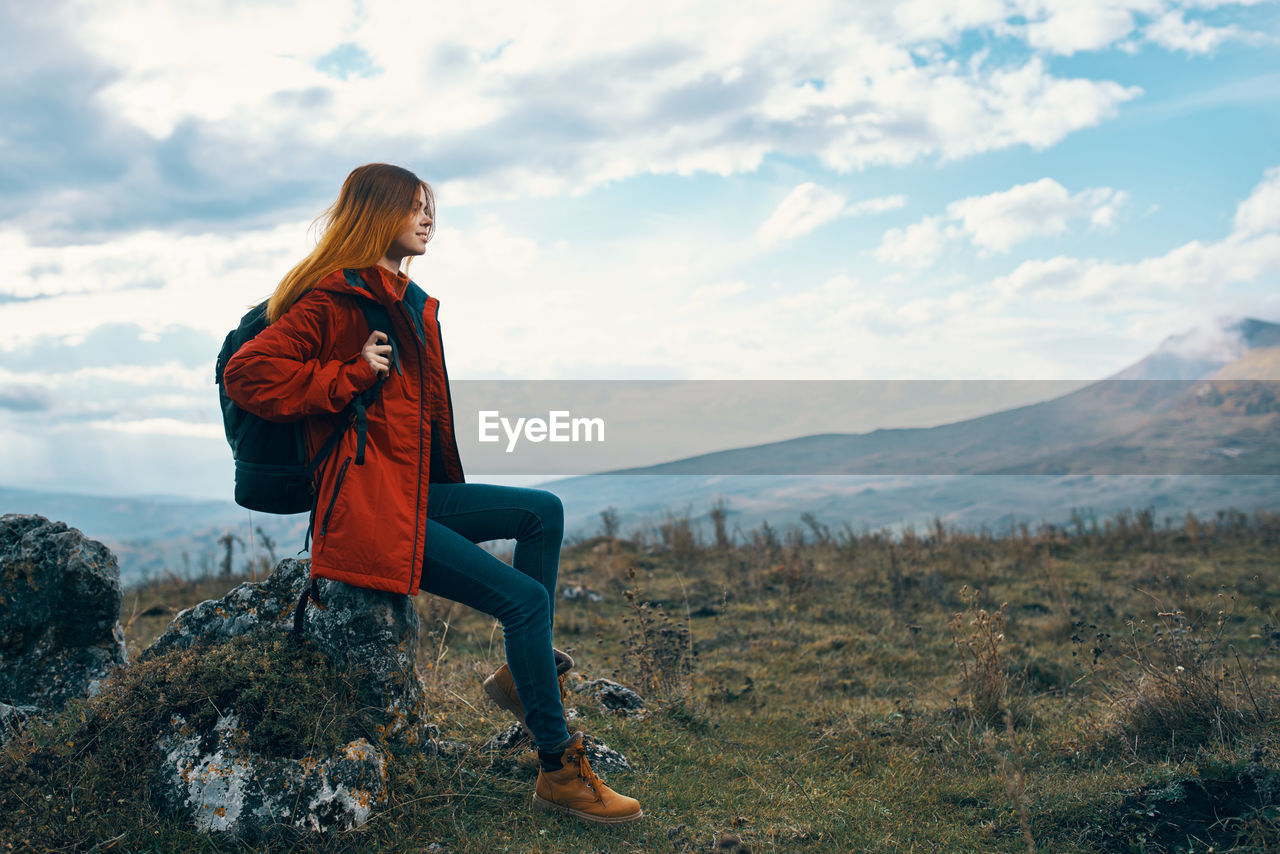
(984, 676)
(658, 650)
(1177, 685)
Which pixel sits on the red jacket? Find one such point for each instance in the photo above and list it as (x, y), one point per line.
(370, 519)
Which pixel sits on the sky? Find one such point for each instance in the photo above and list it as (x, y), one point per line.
(959, 190)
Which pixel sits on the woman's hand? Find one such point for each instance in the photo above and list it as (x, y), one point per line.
(377, 354)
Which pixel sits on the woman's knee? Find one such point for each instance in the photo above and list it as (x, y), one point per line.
(545, 514)
(529, 601)
(551, 511)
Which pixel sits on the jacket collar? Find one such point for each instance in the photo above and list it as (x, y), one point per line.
(376, 282)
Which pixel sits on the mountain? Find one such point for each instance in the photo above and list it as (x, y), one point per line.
(1203, 403)
(998, 441)
(1160, 403)
(1129, 440)
(1225, 424)
(1198, 353)
(150, 535)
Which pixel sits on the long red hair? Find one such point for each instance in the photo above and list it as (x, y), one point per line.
(358, 229)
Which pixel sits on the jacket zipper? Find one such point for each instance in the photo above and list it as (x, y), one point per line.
(333, 499)
(453, 424)
(421, 400)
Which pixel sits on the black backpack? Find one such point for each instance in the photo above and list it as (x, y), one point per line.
(273, 474)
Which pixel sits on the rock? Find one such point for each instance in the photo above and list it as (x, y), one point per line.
(354, 626)
(603, 757)
(12, 718)
(450, 748)
(216, 781)
(231, 791)
(60, 596)
(613, 697)
(577, 591)
(514, 737)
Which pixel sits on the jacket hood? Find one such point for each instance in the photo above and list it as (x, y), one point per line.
(376, 281)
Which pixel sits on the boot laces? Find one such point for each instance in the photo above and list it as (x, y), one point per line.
(579, 755)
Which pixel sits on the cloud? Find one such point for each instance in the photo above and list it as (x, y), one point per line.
(1173, 31)
(147, 280)
(809, 206)
(916, 245)
(121, 109)
(161, 427)
(1250, 252)
(1078, 25)
(1216, 339)
(1261, 211)
(108, 346)
(1066, 27)
(23, 398)
(996, 222)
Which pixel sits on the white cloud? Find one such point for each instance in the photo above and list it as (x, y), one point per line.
(161, 427)
(1261, 211)
(1173, 31)
(1078, 25)
(916, 245)
(1249, 253)
(877, 205)
(209, 62)
(804, 209)
(1066, 27)
(152, 278)
(519, 102)
(809, 206)
(710, 297)
(996, 222)
(169, 374)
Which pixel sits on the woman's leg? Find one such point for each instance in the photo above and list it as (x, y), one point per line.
(521, 597)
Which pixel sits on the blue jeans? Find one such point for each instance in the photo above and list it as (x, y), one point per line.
(522, 597)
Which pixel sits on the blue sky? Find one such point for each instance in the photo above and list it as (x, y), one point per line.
(971, 189)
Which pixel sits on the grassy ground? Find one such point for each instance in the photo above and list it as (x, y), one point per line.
(1106, 688)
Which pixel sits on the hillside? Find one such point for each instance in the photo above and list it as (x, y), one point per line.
(847, 692)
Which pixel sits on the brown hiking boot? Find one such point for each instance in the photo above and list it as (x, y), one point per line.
(501, 687)
(575, 789)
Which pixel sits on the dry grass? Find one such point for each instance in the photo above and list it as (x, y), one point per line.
(835, 691)
(1176, 684)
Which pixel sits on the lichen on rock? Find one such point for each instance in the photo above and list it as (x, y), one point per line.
(248, 764)
(229, 789)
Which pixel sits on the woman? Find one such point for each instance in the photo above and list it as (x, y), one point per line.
(400, 517)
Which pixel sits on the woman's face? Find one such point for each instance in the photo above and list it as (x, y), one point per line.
(412, 238)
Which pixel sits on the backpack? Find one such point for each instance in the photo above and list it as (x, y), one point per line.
(272, 472)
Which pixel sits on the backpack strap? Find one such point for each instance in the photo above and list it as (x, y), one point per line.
(378, 319)
(311, 592)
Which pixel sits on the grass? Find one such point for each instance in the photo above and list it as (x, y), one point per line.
(943, 691)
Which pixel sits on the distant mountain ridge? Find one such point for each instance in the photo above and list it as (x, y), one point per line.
(1198, 353)
(1058, 436)
(1039, 461)
(151, 535)
(1197, 396)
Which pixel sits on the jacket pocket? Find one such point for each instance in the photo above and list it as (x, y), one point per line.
(333, 499)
